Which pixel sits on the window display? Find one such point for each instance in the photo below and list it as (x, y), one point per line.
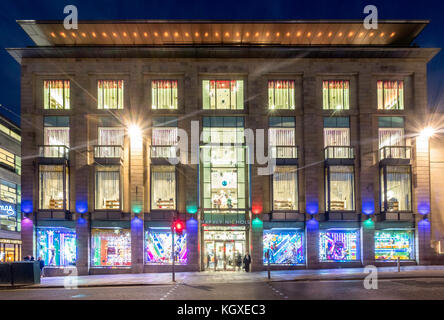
(53, 186)
(57, 246)
(223, 94)
(338, 245)
(396, 189)
(286, 246)
(163, 187)
(339, 191)
(391, 244)
(111, 247)
(158, 242)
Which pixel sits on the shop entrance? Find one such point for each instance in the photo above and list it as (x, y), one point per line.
(224, 248)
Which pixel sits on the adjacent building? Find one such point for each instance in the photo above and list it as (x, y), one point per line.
(10, 191)
(297, 141)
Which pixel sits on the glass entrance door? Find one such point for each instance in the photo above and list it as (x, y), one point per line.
(220, 255)
(223, 255)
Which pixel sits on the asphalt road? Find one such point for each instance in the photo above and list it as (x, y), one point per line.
(324, 290)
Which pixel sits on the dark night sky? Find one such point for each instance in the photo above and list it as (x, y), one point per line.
(13, 36)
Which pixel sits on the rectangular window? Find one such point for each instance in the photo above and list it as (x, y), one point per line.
(339, 245)
(10, 132)
(57, 246)
(164, 94)
(223, 94)
(393, 244)
(9, 204)
(282, 137)
(56, 94)
(336, 94)
(107, 188)
(53, 184)
(340, 186)
(158, 247)
(110, 142)
(281, 94)
(110, 94)
(396, 188)
(111, 247)
(390, 95)
(7, 159)
(285, 188)
(163, 188)
(284, 246)
(164, 137)
(223, 130)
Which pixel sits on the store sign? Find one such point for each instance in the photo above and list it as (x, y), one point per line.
(6, 209)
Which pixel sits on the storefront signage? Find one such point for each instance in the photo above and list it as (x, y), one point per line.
(228, 222)
(10, 241)
(7, 209)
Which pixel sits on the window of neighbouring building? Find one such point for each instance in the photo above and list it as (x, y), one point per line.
(338, 245)
(10, 199)
(56, 94)
(164, 137)
(164, 94)
(391, 244)
(282, 137)
(10, 132)
(158, 242)
(339, 188)
(285, 188)
(110, 94)
(396, 188)
(10, 161)
(163, 187)
(336, 94)
(223, 94)
(281, 94)
(390, 94)
(107, 187)
(110, 247)
(284, 246)
(53, 187)
(57, 246)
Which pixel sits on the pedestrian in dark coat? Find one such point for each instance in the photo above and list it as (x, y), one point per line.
(247, 261)
(41, 265)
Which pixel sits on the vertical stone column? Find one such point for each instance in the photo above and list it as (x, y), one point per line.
(368, 242)
(83, 244)
(28, 247)
(312, 243)
(256, 243)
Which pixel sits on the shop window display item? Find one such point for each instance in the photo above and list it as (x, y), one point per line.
(338, 245)
(391, 244)
(111, 247)
(57, 246)
(158, 247)
(286, 247)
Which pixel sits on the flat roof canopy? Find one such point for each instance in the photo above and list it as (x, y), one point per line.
(225, 33)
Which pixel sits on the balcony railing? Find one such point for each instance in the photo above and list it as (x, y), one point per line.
(284, 152)
(395, 152)
(108, 151)
(163, 151)
(55, 151)
(339, 152)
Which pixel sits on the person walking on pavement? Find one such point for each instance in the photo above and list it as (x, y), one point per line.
(247, 261)
(41, 265)
(239, 261)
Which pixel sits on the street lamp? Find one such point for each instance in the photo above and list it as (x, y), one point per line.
(134, 132)
(427, 132)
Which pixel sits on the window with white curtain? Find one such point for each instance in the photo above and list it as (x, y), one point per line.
(396, 188)
(390, 95)
(339, 188)
(56, 94)
(163, 188)
(107, 191)
(110, 94)
(53, 186)
(282, 137)
(389, 137)
(336, 94)
(108, 138)
(164, 94)
(281, 94)
(285, 189)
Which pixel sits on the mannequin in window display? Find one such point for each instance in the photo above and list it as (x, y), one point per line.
(51, 250)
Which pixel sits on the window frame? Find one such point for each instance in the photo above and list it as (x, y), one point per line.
(120, 188)
(66, 187)
(383, 94)
(343, 94)
(327, 187)
(383, 203)
(157, 95)
(65, 99)
(152, 183)
(117, 98)
(269, 107)
(297, 189)
(215, 93)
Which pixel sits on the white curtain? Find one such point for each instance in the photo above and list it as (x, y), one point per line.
(163, 189)
(391, 137)
(398, 189)
(51, 186)
(112, 136)
(57, 136)
(164, 136)
(337, 137)
(341, 188)
(107, 189)
(285, 188)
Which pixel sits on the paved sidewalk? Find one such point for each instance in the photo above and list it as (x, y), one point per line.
(239, 277)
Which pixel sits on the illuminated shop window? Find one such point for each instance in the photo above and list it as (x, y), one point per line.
(396, 189)
(164, 94)
(110, 94)
(390, 95)
(281, 94)
(282, 137)
(164, 137)
(337, 245)
(53, 187)
(223, 94)
(10, 198)
(57, 246)
(163, 187)
(56, 94)
(107, 187)
(285, 188)
(339, 188)
(285, 246)
(158, 242)
(391, 244)
(110, 247)
(336, 94)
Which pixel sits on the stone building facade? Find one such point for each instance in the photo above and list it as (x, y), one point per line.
(341, 108)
